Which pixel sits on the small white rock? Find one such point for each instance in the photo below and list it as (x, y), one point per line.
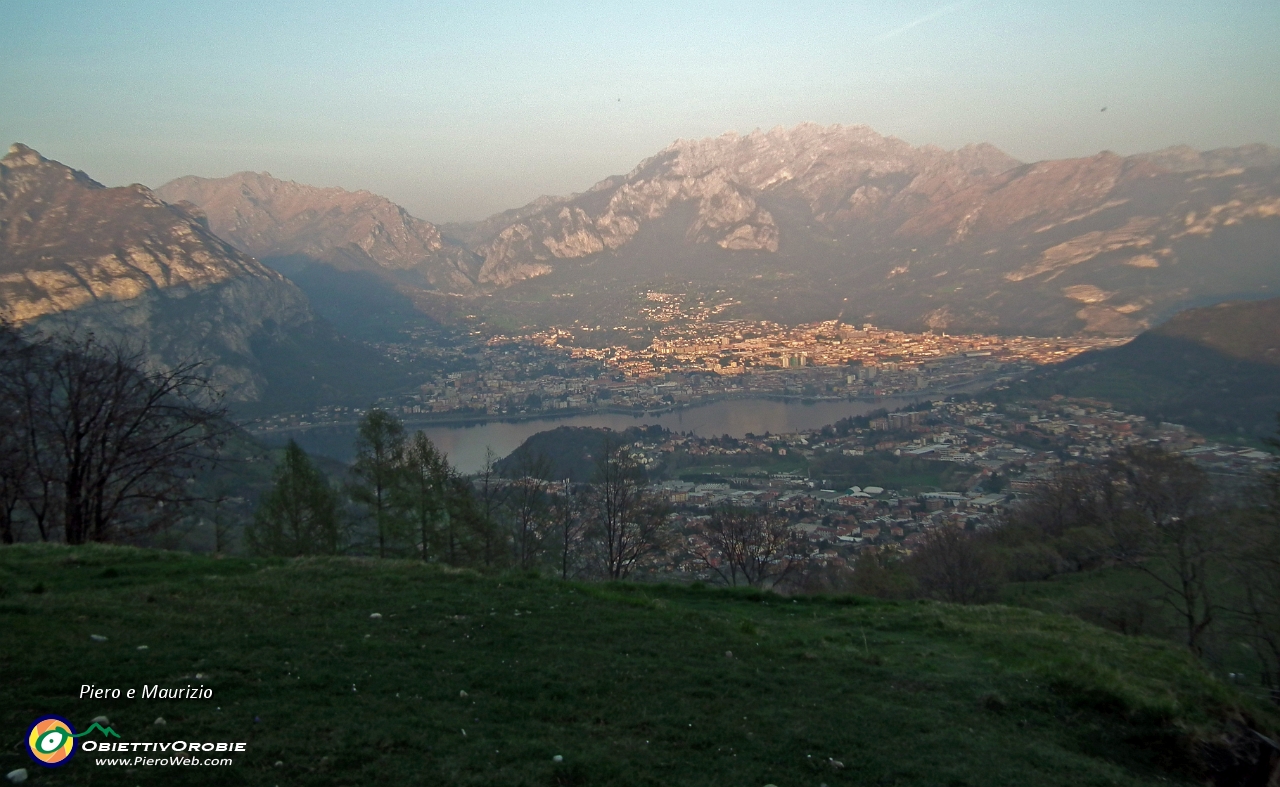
(557, 758)
(97, 638)
(376, 616)
(462, 693)
(200, 675)
(279, 763)
(728, 654)
(160, 722)
(103, 720)
(17, 777)
(142, 647)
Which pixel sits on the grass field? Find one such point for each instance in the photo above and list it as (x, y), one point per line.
(1125, 599)
(629, 684)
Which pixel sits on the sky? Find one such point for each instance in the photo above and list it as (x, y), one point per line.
(460, 110)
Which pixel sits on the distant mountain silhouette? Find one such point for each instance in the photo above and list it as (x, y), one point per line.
(362, 259)
(797, 224)
(1216, 369)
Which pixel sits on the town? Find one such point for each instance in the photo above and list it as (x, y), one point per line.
(880, 483)
(691, 359)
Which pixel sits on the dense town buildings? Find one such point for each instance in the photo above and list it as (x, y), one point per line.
(997, 453)
(693, 361)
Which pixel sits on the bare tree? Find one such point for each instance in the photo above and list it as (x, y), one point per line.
(566, 519)
(1074, 509)
(527, 500)
(111, 441)
(630, 525)
(491, 498)
(952, 565)
(1145, 509)
(15, 459)
(1255, 571)
(221, 526)
(743, 546)
(1172, 534)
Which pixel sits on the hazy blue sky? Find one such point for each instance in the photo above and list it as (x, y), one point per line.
(457, 110)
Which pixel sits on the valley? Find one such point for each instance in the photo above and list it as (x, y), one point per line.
(874, 367)
(640, 394)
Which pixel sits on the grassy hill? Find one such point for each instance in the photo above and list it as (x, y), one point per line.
(572, 451)
(629, 684)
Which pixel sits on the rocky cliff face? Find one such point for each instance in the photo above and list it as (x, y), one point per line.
(120, 260)
(863, 227)
(837, 173)
(918, 237)
(274, 219)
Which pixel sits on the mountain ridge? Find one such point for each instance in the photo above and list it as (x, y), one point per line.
(75, 254)
(147, 244)
(864, 227)
(348, 230)
(1215, 369)
(78, 256)
(1103, 244)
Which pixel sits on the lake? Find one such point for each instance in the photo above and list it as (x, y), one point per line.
(466, 444)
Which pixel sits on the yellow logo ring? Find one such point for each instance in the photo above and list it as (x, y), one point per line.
(50, 741)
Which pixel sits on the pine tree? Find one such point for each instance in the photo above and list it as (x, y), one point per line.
(301, 515)
(420, 493)
(379, 456)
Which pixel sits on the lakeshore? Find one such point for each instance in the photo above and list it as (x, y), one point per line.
(466, 440)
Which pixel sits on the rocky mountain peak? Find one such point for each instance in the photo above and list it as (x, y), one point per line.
(20, 155)
(67, 241)
(840, 173)
(350, 230)
(968, 238)
(23, 168)
(121, 260)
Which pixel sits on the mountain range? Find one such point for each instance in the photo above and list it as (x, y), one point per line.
(821, 222)
(127, 265)
(267, 277)
(807, 223)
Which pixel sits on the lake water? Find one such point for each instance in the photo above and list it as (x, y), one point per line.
(466, 444)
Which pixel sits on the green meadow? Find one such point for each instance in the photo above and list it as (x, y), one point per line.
(471, 680)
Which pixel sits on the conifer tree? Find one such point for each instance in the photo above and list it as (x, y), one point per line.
(301, 515)
(420, 493)
(379, 456)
